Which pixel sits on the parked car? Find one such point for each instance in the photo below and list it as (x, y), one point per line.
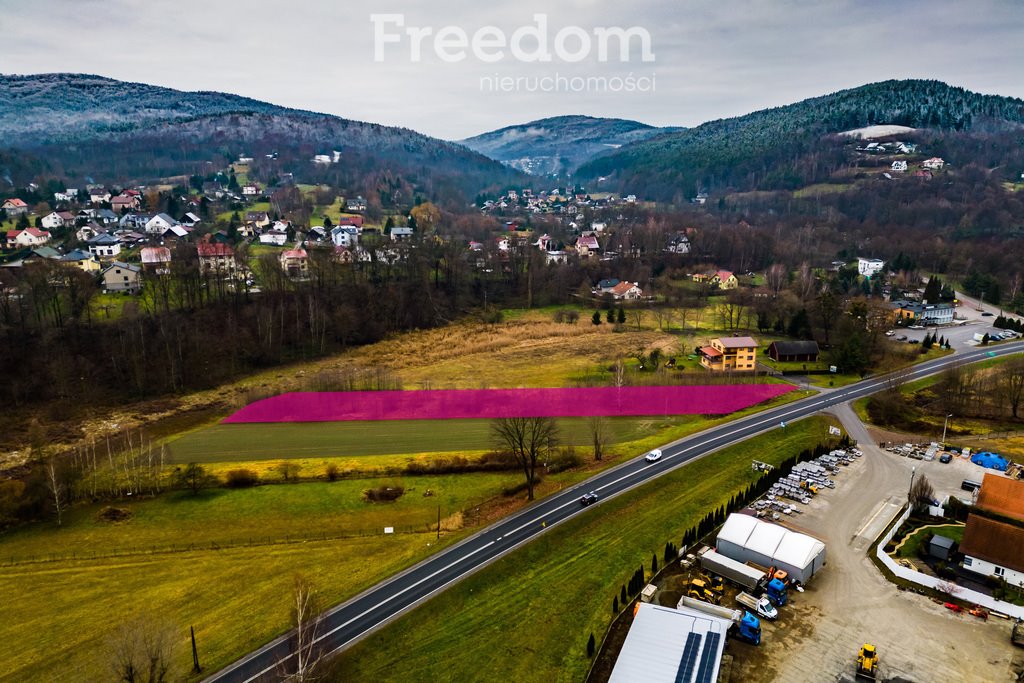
(588, 499)
(902, 338)
(986, 314)
(653, 456)
(945, 458)
(913, 341)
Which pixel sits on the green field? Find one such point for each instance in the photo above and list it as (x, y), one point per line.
(527, 617)
(255, 442)
(232, 585)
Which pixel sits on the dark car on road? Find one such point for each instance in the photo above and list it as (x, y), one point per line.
(588, 499)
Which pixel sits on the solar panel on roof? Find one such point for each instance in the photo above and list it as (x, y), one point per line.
(686, 665)
(708, 657)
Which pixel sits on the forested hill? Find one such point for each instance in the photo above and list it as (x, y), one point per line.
(116, 131)
(758, 150)
(560, 144)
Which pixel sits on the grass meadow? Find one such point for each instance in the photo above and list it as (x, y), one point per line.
(562, 584)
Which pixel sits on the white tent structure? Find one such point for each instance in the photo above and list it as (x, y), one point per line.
(671, 646)
(748, 539)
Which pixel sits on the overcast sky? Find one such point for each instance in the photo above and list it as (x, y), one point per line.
(711, 58)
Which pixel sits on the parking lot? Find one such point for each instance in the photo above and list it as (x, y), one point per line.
(850, 602)
(977, 319)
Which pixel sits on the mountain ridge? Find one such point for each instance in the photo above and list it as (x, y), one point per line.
(756, 150)
(557, 145)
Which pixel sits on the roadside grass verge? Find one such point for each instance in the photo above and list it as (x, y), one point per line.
(527, 617)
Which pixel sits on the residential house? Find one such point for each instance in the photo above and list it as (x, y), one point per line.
(994, 548)
(358, 204)
(343, 255)
(598, 226)
(345, 236)
(82, 260)
(88, 231)
(104, 246)
(275, 237)
(606, 286)
(899, 166)
(401, 234)
(99, 195)
(934, 164)
(216, 257)
(251, 190)
(557, 256)
(295, 262)
(159, 223)
(629, 291)
(867, 267)
(124, 202)
(57, 220)
(190, 220)
(174, 234)
(122, 277)
(156, 260)
(794, 351)
(730, 353)
(67, 196)
(923, 173)
(258, 218)
(587, 245)
(14, 207)
(701, 198)
(678, 244)
(350, 221)
(724, 279)
(918, 313)
(106, 217)
(29, 237)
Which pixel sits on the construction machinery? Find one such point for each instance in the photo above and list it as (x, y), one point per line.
(867, 662)
(1017, 634)
(714, 582)
(698, 589)
(745, 626)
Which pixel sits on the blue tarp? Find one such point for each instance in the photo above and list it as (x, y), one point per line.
(992, 461)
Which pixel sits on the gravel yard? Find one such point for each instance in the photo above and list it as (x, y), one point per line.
(850, 602)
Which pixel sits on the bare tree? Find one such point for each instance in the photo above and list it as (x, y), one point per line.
(141, 651)
(307, 611)
(1011, 384)
(55, 485)
(529, 439)
(921, 492)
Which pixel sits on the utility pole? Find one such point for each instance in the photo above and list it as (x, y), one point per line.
(944, 425)
(913, 470)
(438, 521)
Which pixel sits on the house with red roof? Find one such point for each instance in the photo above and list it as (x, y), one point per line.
(295, 262)
(216, 257)
(14, 207)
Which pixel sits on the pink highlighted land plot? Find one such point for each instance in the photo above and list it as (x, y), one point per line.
(453, 404)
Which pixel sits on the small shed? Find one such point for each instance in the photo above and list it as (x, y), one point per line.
(941, 547)
(794, 351)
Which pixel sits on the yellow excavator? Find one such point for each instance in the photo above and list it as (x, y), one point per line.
(867, 662)
(700, 590)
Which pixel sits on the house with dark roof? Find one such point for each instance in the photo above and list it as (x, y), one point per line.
(122, 277)
(992, 548)
(729, 353)
(794, 351)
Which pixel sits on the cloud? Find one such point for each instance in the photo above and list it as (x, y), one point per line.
(714, 58)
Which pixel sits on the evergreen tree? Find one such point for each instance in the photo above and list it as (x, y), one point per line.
(621, 319)
(610, 317)
(596, 319)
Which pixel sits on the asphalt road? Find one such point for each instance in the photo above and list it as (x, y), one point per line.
(352, 620)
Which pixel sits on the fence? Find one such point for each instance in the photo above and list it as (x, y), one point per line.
(935, 583)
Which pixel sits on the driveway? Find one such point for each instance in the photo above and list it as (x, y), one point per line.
(850, 603)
